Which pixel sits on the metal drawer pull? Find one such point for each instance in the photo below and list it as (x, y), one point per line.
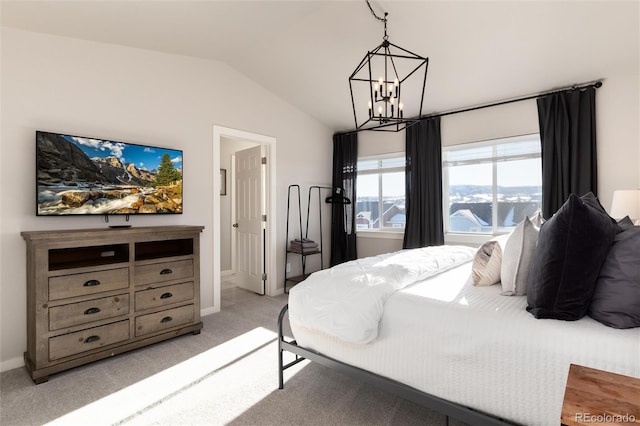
(166, 271)
(166, 295)
(166, 319)
(91, 283)
(92, 311)
(91, 339)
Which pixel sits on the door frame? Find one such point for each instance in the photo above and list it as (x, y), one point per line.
(270, 151)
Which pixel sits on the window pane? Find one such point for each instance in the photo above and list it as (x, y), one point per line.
(367, 204)
(393, 162)
(472, 187)
(368, 164)
(519, 191)
(393, 200)
(381, 193)
(470, 198)
(476, 154)
(518, 148)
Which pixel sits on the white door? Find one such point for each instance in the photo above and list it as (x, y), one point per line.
(248, 224)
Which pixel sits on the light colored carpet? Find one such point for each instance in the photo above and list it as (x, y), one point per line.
(225, 375)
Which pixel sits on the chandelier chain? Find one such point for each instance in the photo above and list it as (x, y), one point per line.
(374, 13)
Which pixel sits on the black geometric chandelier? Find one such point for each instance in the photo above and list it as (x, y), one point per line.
(387, 87)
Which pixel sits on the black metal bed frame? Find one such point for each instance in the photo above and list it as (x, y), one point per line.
(448, 408)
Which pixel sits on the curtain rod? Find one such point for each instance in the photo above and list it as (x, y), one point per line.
(597, 84)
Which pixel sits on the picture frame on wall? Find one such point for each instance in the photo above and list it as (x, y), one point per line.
(223, 182)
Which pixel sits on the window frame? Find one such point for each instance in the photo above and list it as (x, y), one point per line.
(493, 160)
(386, 232)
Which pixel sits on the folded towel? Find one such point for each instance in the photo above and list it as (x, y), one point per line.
(304, 250)
(304, 245)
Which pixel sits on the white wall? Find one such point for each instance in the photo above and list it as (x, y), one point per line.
(618, 140)
(91, 89)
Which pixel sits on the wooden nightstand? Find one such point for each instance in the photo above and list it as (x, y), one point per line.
(599, 397)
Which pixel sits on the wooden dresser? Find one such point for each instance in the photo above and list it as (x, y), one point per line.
(95, 293)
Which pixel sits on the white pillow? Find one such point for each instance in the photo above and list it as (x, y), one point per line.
(487, 262)
(537, 219)
(516, 259)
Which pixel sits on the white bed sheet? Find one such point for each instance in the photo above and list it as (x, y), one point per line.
(475, 347)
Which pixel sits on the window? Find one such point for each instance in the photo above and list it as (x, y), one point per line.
(380, 193)
(489, 187)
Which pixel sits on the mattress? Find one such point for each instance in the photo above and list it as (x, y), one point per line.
(472, 346)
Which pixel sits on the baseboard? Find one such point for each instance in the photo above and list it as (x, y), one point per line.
(11, 364)
(278, 292)
(227, 272)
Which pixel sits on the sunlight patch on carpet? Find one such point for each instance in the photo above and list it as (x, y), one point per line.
(148, 393)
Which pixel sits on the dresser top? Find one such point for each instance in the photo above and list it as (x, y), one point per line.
(108, 232)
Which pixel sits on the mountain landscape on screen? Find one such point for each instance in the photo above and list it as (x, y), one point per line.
(77, 175)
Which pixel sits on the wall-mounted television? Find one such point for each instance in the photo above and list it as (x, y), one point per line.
(78, 175)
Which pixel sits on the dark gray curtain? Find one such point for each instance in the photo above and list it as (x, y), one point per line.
(568, 136)
(343, 215)
(423, 183)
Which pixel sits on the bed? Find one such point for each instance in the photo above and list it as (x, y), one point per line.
(464, 350)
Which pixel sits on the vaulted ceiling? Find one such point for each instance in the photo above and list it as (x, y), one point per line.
(304, 51)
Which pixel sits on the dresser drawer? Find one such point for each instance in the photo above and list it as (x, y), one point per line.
(162, 296)
(89, 311)
(165, 271)
(87, 283)
(86, 340)
(164, 319)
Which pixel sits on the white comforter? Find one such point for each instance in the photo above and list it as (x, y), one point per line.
(347, 301)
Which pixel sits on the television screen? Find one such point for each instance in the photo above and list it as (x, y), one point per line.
(79, 176)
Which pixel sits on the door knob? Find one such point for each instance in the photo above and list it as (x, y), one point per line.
(235, 225)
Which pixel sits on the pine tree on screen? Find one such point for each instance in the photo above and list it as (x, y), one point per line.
(167, 174)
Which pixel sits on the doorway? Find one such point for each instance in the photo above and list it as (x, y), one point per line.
(226, 142)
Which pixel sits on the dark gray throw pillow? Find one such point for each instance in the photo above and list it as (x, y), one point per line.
(571, 248)
(625, 223)
(592, 201)
(616, 300)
